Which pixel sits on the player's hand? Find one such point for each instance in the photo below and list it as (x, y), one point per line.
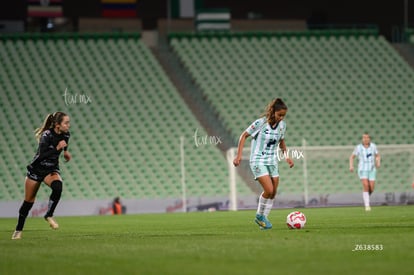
(290, 162)
(62, 144)
(236, 161)
(67, 155)
(351, 169)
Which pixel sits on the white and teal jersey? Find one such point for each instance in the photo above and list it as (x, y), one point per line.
(265, 140)
(366, 156)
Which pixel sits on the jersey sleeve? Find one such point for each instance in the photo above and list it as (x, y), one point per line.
(255, 127)
(355, 152)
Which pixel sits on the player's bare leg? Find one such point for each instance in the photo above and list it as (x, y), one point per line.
(366, 193)
(371, 185)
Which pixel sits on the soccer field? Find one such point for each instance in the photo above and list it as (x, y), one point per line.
(215, 243)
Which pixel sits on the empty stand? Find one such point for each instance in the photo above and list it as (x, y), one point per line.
(125, 139)
(337, 85)
(356, 78)
(126, 119)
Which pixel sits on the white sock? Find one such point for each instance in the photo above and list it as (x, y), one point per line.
(365, 196)
(268, 207)
(262, 205)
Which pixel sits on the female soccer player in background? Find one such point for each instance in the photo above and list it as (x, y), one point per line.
(53, 137)
(267, 133)
(368, 160)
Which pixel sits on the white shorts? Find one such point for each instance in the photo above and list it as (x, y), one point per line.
(263, 170)
(370, 175)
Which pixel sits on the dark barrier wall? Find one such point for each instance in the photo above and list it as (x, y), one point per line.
(13, 10)
(82, 8)
(388, 15)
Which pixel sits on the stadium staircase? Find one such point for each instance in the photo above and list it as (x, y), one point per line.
(200, 107)
(406, 50)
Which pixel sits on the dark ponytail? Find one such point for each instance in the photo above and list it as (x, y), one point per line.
(50, 121)
(274, 106)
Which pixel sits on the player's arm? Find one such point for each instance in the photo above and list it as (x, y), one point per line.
(351, 162)
(240, 147)
(282, 146)
(66, 153)
(377, 160)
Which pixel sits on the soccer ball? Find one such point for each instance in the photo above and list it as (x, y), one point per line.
(296, 220)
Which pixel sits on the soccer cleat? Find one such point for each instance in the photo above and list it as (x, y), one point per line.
(17, 235)
(263, 222)
(53, 224)
(367, 208)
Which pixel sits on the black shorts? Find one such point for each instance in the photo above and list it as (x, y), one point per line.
(40, 174)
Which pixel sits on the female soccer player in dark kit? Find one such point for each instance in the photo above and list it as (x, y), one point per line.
(53, 137)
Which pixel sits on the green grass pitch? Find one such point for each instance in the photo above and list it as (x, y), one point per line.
(215, 243)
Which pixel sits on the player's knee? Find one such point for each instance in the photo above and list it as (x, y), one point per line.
(269, 195)
(56, 186)
(56, 190)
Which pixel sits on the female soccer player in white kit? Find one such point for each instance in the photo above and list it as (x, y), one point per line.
(368, 160)
(267, 133)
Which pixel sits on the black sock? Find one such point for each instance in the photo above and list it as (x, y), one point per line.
(23, 212)
(54, 197)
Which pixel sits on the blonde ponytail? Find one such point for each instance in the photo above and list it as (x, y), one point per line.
(50, 121)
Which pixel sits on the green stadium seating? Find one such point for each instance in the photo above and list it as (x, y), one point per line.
(336, 86)
(317, 76)
(124, 142)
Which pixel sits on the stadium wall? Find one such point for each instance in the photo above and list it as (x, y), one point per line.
(171, 205)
